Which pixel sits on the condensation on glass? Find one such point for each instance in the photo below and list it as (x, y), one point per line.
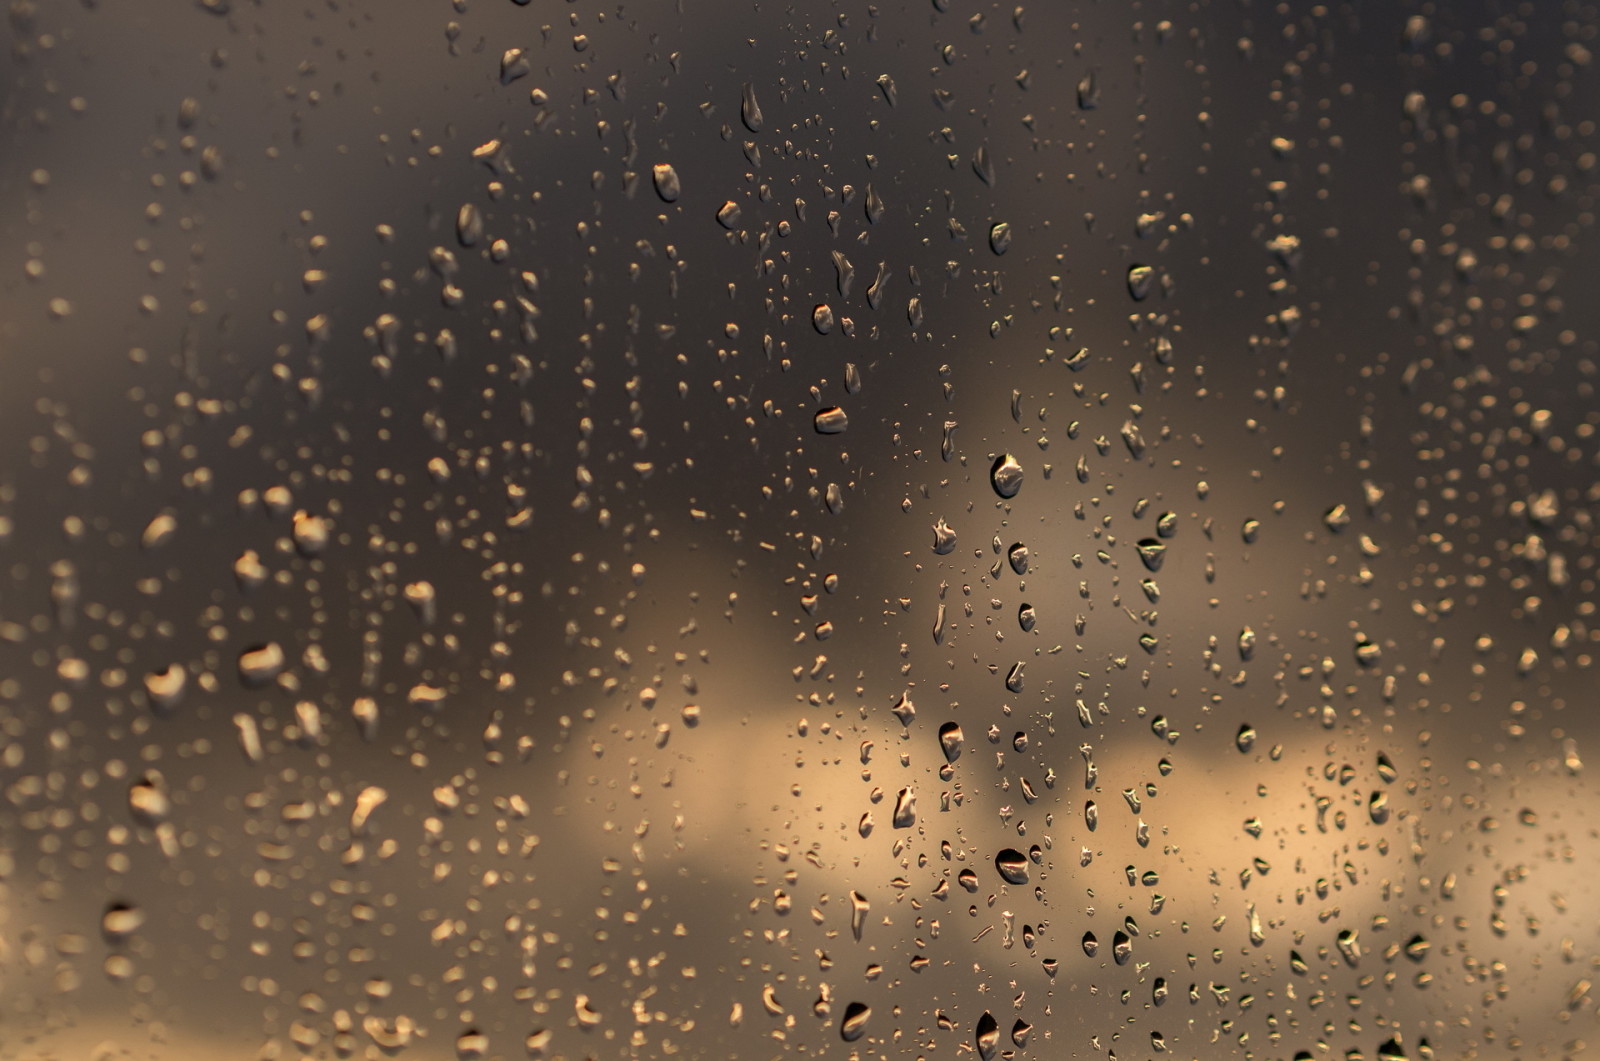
(918, 529)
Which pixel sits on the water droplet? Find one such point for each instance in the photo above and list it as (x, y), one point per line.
(904, 709)
(666, 181)
(1013, 866)
(1088, 92)
(159, 531)
(513, 64)
(822, 318)
(854, 1024)
(165, 687)
(1391, 1050)
(260, 665)
(831, 421)
(1020, 1030)
(1018, 557)
(987, 1036)
(148, 801)
(983, 165)
(950, 741)
(1151, 553)
(1014, 677)
(311, 533)
(1121, 947)
(120, 921)
(1140, 278)
(944, 538)
(1006, 476)
(859, 908)
(1000, 237)
(873, 205)
(469, 225)
(471, 1045)
(749, 109)
(905, 809)
(1245, 738)
(1026, 617)
(728, 215)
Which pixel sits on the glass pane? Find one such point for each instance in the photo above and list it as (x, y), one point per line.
(704, 530)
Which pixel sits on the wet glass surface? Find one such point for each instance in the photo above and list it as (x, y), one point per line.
(705, 530)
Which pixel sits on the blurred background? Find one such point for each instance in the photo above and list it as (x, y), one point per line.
(713, 530)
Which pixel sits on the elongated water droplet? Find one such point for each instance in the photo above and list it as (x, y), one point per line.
(944, 538)
(905, 809)
(1088, 92)
(859, 908)
(749, 109)
(950, 741)
(987, 1036)
(854, 1024)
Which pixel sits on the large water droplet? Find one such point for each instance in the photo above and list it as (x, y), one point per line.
(950, 741)
(749, 109)
(1013, 866)
(1000, 237)
(666, 181)
(259, 665)
(987, 1036)
(1140, 278)
(1151, 553)
(854, 1024)
(905, 809)
(831, 421)
(1006, 476)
